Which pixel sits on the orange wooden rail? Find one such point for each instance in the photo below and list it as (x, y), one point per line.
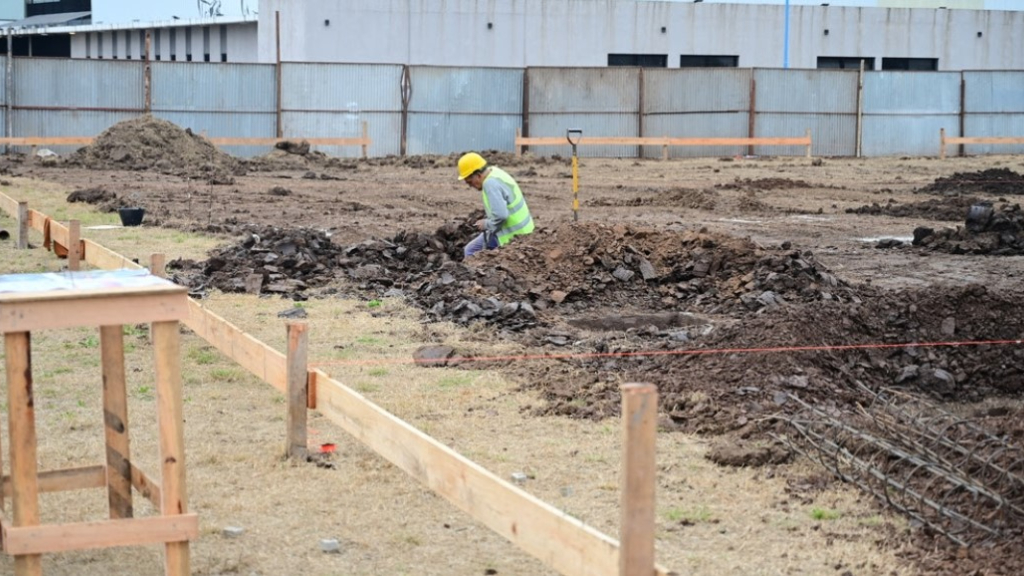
(663, 141)
(949, 140)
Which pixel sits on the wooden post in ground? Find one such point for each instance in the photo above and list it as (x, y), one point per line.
(942, 143)
(639, 423)
(808, 142)
(158, 265)
(74, 245)
(115, 419)
(23, 225)
(21, 419)
(298, 395)
(519, 147)
(366, 140)
(173, 495)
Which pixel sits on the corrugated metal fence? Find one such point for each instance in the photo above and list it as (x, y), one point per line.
(443, 110)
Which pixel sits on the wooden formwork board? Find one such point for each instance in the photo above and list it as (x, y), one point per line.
(261, 360)
(545, 532)
(99, 534)
(945, 141)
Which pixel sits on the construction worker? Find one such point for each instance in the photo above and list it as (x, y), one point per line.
(504, 204)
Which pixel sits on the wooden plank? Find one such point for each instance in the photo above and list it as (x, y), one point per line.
(74, 245)
(272, 141)
(298, 394)
(149, 489)
(101, 534)
(21, 419)
(942, 143)
(47, 140)
(985, 140)
(115, 420)
(261, 360)
(105, 259)
(174, 495)
(23, 225)
(557, 539)
(9, 205)
(66, 479)
(59, 233)
(158, 265)
(27, 312)
(36, 220)
(664, 141)
(639, 427)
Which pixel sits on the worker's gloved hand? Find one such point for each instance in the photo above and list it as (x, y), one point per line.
(490, 240)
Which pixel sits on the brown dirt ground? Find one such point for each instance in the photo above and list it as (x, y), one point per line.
(696, 255)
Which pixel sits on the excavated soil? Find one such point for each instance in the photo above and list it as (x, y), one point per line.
(949, 209)
(997, 181)
(150, 143)
(728, 277)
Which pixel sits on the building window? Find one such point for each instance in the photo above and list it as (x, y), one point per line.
(143, 47)
(188, 44)
(128, 44)
(641, 60)
(845, 62)
(703, 61)
(223, 43)
(88, 45)
(99, 45)
(927, 64)
(156, 42)
(174, 44)
(113, 43)
(206, 43)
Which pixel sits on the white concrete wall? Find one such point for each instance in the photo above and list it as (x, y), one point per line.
(241, 44)
(584, 32)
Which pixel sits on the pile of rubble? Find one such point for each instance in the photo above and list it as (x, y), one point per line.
(988, 230)
(998, 181)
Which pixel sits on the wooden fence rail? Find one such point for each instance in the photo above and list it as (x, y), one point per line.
(664, 141)
(560, 541)
(363, 141)
(956, 140)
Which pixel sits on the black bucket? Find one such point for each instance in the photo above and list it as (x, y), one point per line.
(131, 216)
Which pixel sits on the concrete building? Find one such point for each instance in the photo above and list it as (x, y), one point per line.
(520, 33)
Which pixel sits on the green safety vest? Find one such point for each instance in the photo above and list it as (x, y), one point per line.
(519, 220)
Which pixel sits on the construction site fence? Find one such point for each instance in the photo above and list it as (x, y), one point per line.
(412, 110)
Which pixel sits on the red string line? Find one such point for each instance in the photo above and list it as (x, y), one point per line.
(698, 352)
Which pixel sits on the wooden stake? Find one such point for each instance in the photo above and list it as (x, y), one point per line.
(942, 143)
(74, 245)
(639, 423)
(173, 495)
(115, 419)
(366, 140)
(298, 394)
(158, 265)
(22, 225)
(808, 142)
(21, 417)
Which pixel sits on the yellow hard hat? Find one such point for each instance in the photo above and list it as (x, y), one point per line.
(469, 164)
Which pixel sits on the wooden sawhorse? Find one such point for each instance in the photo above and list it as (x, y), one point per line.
(108, 299)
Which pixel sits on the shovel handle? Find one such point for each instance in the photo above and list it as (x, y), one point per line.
(569, 134)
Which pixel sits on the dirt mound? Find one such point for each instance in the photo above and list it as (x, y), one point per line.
(988, 230)
(1002, 181)
(104, 200)
(953, 208)
(764, 184)
(149, 143)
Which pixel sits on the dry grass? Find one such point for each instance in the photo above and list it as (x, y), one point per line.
(710, 520)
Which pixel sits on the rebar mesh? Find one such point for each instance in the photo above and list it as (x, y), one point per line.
(942, 471)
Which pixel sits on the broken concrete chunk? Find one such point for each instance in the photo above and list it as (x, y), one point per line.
(233, 531)
(622, 274)
(433, 355)
(948, 326)
(330, 546)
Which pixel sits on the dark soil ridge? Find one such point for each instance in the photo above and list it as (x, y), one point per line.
(951, 209)
(999, 181)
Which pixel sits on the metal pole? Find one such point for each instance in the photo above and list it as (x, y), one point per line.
(785, 41)
(860, 108)
(8, 90)
(277, 34)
